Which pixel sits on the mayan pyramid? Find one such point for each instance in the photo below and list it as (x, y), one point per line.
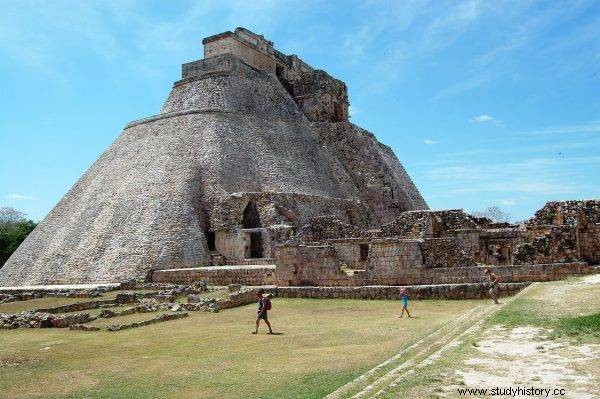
(249, 138)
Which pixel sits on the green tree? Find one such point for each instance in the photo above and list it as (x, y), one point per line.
(14, 228)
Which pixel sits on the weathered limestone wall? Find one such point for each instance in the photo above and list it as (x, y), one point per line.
(349, 252)
(307, 265)
(239, 89)
(444, 252)
(449, 291)
(284, 209)
(589, 242)
(567, 213)
(321, 97)
(329, 227)
(548, 244)
(240, 50)
(218, 275)
(385, 185)
(468, 241)
(388, 258)
(399, 262)
(253, 49)
(498, 246)
(232, 244)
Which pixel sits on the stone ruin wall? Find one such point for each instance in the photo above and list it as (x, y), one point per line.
(563, 231)
(589, 243)
(289, 209)
(419, 243)
(444, 252)
(454, 291)
(544, 244)
(567, 213)
(250, 276)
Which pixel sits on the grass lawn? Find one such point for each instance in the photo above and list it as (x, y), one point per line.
(323, 344)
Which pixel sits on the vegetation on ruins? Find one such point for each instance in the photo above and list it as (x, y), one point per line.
(14, 228)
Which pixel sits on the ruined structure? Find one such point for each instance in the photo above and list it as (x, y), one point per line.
(423, 247)
(441, 247)
(249, 146)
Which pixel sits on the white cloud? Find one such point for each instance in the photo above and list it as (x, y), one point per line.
(508, 202)
(484, 118)
(20, 197)
(429, 141)
(352, 111)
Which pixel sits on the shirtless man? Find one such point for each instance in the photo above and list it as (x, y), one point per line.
(495, 280)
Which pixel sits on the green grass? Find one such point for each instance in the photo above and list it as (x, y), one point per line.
(567, 311)
(523, 312)
(579, 326)
(323, 345)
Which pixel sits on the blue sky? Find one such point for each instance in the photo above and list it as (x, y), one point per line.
(484, 102)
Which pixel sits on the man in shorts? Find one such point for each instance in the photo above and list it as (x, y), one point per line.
(495, 280)
(262, 311)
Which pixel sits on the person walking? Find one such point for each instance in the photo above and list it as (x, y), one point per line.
(495, 280)
(404, 298)
(264, 305)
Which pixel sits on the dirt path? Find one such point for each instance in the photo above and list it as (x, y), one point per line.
(525, 357)
(520, 357)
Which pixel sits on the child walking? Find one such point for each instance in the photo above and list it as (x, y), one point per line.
(404, 302)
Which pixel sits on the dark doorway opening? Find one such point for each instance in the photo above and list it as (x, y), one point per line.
(256, 245)
(210, 241)
(364, 252)
(251, 219)
(279, 71)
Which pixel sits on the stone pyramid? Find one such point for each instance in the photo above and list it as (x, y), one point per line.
(249, 138)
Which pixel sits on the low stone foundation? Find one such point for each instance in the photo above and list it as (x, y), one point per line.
(157, 319)
(442, 291)
(34, 319)
(79, 306)
(219, 275)
(241, 298)
(456, 275)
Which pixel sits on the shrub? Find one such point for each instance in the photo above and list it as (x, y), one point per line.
(14, 228)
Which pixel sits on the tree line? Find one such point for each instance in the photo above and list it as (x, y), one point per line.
(14, 228)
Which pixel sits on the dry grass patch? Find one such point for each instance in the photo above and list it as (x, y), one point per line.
(324, 344)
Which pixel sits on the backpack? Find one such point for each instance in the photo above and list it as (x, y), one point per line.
(267, 304)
